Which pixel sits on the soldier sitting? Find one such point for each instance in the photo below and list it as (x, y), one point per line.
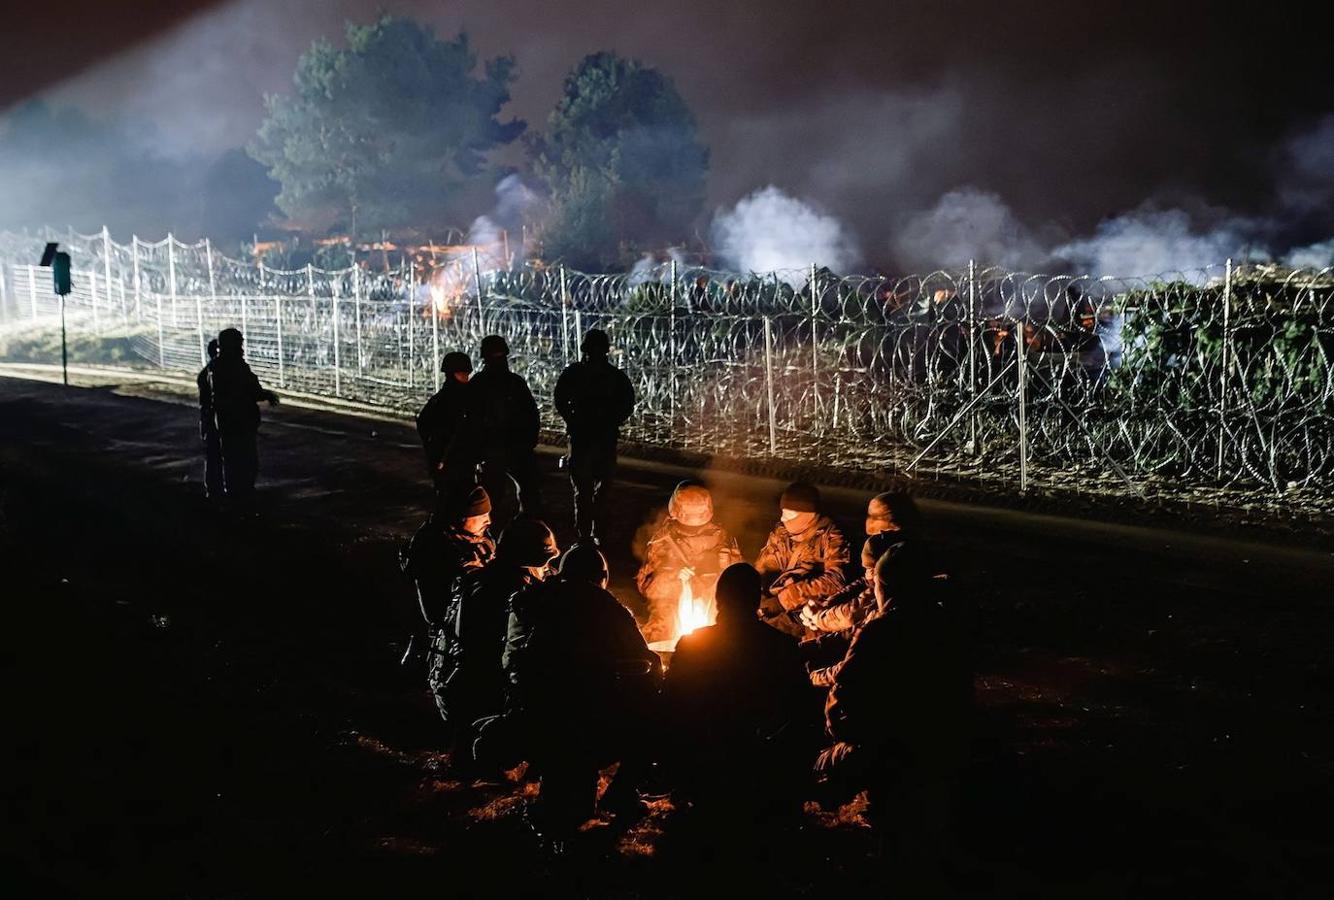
(464, 671)
(898, 708)
(688, 548)
(739, 713)
(802, 560)
(584, 683)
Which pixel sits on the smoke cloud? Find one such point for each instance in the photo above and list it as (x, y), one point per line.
(769, 231)
(966, 224)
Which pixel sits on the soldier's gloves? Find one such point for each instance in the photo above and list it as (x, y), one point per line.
(770, 608)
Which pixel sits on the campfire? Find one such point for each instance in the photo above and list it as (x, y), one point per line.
(691, 612)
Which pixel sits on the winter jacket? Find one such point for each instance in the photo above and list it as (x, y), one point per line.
(806, 566)
(904, 686)
(846, 610)
(207, 424)
(576, 658)
(235, 391)
(594, 398)
(439, 421)
(500, 412)
(708, 549)
(435, 559)
(735, 692)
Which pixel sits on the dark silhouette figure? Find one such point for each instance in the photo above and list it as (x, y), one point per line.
(585, 683)
(439, 422)
(208, 430)
(802, 560)
(741, 716)
(595, 399)
(450, 546)
(500, 429)
(236, 391)
(898, 709)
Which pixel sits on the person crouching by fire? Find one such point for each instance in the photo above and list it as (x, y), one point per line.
(584, 685)
(898, 710)
(741, 724)
(890, 518)
(451, 544)
(683, 560)
(471, 681)
(802, 560)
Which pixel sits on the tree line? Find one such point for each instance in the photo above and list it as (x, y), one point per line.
(395, 130)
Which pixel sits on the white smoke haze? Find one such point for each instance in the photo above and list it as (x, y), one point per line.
(966, 224)
(1152, 242)
(1316, 256)
(770, 231)
(502, 228)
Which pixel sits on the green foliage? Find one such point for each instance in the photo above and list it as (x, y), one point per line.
(387, 132)
(622, 161)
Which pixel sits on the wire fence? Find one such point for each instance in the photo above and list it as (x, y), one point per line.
(1212, 384)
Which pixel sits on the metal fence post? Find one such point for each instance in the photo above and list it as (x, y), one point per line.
(412, 315)
(278, 322)
(972, 352)
(671, 351)
(138, 282)
(1021, 359)
(477, 280)
(199, 328)
(356, 302)
(769, 383)
(1222, 378)
(310, 292)
(435, 344)
(32, 289)
(92, 295)
(106, 265)
(4, 294)
(338, 366)
(564, 319)
(161, 341)
(815, 342)
(171, 277)
(212, 297)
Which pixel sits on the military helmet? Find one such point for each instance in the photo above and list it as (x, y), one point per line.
(455, 362)
(691, 504)
(584, 562)
(596, 342)
(494, 345)
(527, 542)
(894, 512)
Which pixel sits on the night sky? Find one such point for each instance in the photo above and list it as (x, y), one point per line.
(1070, 113)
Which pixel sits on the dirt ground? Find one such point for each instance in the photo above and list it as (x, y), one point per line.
(202, 706)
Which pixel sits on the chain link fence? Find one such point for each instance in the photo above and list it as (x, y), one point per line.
(1213, 385)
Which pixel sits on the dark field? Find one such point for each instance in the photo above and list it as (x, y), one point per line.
(200, 706)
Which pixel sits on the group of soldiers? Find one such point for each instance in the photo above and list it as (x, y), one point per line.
(530, 658)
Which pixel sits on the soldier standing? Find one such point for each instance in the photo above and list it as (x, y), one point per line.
(595, 399)
(438, 423)
(208, 430)
(235, 392)
(500, 429)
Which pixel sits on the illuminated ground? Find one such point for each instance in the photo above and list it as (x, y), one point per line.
(201, 707)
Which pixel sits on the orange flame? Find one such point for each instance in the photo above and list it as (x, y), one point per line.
(692, 612)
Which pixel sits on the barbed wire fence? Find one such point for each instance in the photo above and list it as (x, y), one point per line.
(1215, 385)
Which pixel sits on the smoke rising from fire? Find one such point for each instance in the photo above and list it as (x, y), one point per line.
(769, 231)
